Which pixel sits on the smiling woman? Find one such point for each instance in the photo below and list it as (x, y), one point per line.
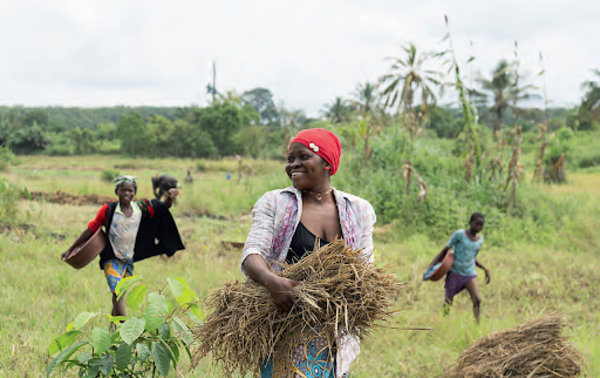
(287, 224)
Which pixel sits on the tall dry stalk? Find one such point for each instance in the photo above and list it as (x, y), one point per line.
(469, 113)
(514, 170)
(409, 170)
(539, 168)
(413, 129)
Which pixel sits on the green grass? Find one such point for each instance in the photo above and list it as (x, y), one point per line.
(40, 295)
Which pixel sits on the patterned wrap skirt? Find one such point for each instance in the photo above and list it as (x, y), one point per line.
(115, 270)
(309, 357)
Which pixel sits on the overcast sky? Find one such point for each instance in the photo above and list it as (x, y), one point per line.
(133, 52)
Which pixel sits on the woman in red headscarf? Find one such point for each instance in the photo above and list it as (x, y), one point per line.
(286, 225)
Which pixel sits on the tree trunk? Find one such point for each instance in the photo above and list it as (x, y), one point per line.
(498, 121)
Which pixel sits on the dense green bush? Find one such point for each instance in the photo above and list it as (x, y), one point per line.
(9, 194)
(450, 199)
(6, 158)
(108, 175)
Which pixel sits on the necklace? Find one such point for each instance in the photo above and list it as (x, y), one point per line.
(319, 196)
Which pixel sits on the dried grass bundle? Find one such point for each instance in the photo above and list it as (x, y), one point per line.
(339, 291)
(534, 349)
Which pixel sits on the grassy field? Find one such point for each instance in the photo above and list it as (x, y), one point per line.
(39, 295)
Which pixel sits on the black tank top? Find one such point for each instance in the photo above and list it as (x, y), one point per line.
(303, 242)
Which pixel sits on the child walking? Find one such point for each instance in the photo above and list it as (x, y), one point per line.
(462, 274)
(134, 231)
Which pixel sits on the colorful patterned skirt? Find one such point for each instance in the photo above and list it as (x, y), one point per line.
(115, 270)
(309, 357)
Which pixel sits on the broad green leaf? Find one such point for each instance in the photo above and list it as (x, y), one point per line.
(116, 319)
(164, 331)
(162, 357)
(114, 338)
(63, 341)
(196, 314)
(183, 282)
(142, 352)
(84, 357)
(136, 297)
(63, 356)
(132, 329)
(106, 364)
(174, 354)
(100, 340)
(93, 372)
(123, 356)
(124, 285)
(82, 319)
(187, 296)
(157, 308)
(182, 330)
(69, 327)
(176, 287)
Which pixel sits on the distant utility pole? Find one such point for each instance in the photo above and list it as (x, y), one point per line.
(214, 81)
(211, 88)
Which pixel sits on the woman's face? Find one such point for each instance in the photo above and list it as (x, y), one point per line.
(126, 191)
(305, 168)
(477, 224)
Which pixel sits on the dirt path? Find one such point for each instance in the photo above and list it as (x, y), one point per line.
(63, 198)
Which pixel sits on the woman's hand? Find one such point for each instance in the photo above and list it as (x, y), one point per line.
(282, 291)
(488, 278)
(172, 193)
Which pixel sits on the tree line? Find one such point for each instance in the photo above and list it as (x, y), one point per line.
(251, 124)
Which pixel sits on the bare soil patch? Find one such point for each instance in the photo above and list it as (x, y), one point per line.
(64, 198)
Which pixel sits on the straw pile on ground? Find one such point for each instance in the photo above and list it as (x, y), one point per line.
(534, 349)
(340, 292)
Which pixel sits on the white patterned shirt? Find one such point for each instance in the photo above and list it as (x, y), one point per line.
(123, 232)
(276, 216)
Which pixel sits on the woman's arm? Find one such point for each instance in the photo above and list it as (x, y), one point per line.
(440, 256)
(171, 194)
(488, 277)
(368, 224)
(281, 289)
(93, 226)
(257, 252)
(85, 235)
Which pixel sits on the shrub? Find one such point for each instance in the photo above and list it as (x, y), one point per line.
(108, 175)
(6, 158)
(141, 345)
(8, 198)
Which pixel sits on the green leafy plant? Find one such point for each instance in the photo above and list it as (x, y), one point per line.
(108, 175)
(141, 345)
(6, 158)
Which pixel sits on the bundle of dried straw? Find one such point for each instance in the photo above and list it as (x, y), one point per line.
(534, 349)
(340, 292)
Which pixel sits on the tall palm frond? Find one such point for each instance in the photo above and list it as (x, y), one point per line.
(408, 76)
(591, 100)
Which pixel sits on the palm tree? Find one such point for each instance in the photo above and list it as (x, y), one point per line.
(406, 77)
(590, 105)
(504, 91)
(339, 111)
(366, 97)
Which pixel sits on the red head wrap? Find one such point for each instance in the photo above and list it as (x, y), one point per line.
(322, 142)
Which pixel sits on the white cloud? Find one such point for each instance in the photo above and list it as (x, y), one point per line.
(154, 52)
